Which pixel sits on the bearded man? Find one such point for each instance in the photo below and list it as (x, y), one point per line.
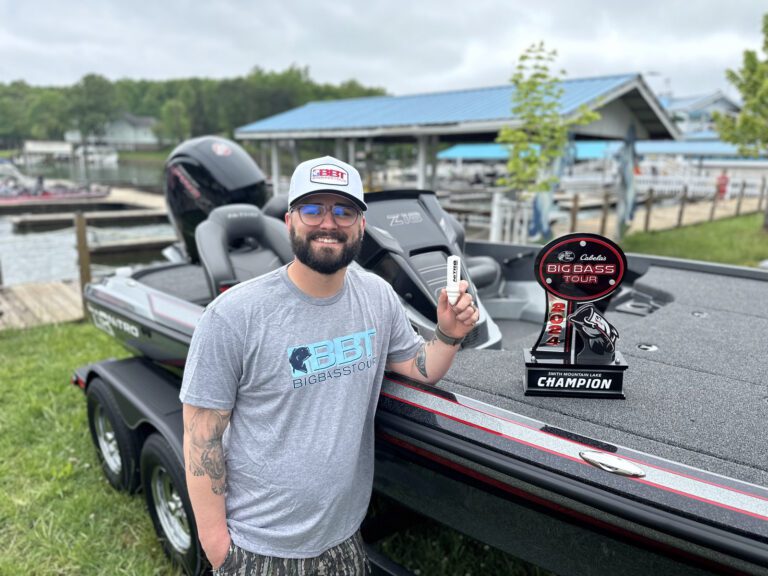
(281, 385)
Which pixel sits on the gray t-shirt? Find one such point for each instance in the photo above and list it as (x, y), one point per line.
(302, 377)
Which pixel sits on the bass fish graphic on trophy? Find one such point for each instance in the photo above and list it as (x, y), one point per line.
(575, 354)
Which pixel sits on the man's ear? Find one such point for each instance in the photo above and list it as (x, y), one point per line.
(288, 218)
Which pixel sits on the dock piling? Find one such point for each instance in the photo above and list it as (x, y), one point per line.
(83, 254)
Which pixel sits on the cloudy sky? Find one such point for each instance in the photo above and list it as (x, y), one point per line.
(403, 46)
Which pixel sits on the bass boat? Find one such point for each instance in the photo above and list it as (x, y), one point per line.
(672, 479)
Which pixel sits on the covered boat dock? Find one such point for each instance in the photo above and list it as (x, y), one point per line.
(474, 115)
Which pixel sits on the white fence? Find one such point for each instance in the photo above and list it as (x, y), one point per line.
(666, 186)
(696, 187)
(507, 220)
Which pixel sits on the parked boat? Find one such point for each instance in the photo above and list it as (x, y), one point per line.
(18, 188)
(672, 480)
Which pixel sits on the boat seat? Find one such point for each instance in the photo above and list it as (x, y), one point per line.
(276, 206)
(238, 242)
(485, 273)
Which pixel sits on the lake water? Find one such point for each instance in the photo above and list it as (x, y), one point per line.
(134, 175)
(46, 256)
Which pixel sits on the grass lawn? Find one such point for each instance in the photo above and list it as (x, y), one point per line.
(58, 514)
(8, 153)
(739, 240)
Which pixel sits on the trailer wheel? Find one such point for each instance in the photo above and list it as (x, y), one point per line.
(165, 489)
(116, 445)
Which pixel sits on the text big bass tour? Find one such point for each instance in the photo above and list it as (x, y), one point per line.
(581, 273)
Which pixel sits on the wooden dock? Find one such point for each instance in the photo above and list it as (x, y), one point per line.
(25, 305)
(133, 246)
(56, 221)
(118, 198)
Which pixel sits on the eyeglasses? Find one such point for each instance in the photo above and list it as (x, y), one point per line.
(314, 214)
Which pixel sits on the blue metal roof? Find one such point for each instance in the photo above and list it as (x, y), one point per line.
(695, 148)
(495, 152)
(585, 150)
(596, 149)
(477, 105)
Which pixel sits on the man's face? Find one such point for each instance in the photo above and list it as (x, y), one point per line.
(325, 247)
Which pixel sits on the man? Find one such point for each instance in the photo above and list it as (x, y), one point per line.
(281, 385)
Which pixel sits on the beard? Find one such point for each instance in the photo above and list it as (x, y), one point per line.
(325, 260)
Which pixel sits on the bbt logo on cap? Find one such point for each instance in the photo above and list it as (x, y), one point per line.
(329, 174)
(326, 174)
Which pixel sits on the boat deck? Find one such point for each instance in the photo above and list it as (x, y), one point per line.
(701, 405)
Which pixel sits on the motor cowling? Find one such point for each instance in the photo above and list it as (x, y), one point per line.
(203, 173)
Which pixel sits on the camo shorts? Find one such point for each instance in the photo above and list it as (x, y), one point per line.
(346, 559)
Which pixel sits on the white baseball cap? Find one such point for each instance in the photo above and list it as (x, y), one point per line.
(326, 174)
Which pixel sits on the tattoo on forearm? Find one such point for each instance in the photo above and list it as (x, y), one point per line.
(205, 456)
(421, 360)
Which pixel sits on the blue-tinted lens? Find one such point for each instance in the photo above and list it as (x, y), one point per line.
(313, 214)
(311, 209)
(343, 211)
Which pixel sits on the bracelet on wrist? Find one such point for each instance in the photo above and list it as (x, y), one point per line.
(443, 337)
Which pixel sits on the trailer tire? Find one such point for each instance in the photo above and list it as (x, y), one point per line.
(117, 446)
(165, 490)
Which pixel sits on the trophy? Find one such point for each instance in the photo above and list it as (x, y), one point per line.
(575, 354)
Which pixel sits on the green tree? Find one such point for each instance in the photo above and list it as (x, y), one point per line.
(92, 105)
(14, 117)
(11, 134)
(211, 106)
(128, 95)
(749, 129)
(540, 132)
(47, 115)
(174, 121)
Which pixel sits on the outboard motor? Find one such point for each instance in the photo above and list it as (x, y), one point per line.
(206, 172)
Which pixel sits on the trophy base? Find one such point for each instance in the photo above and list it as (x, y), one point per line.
(552, 377)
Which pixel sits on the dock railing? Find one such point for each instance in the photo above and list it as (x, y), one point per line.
(662, 202)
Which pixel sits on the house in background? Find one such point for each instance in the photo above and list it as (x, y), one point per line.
(693, 114)
(128, 132)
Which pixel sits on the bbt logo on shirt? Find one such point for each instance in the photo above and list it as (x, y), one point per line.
(329, 359)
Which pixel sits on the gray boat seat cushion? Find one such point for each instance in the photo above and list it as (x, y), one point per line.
(485, 273)
(276, 206)
(238, 242)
